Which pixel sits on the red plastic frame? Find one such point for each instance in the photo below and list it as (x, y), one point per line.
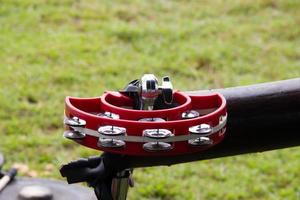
(114, 102)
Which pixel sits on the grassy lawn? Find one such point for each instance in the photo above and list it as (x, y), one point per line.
(53, 48)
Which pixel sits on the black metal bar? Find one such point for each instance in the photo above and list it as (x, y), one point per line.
(261, 117)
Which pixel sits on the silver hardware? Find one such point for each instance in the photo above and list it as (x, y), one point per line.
(74, 135)
(157, 133)
(157, 146)
(74, 122)
(167, 90)
(146, 91)
(149, 91)
(35, 192)
(142, 139)
(109, 115)
(110, 143)
(190, 114)
(201, 141)
(166, 83)
(202, 129)
(120, 184)
(155, 119)
(111, 130)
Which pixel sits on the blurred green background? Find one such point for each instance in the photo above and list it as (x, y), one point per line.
(53, 48)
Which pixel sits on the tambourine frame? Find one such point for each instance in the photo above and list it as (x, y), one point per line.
(211, 108)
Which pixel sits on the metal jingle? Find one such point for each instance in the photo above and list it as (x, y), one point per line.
(75, 122)
(157, 133)
(74, 135)
(157, 146)
(111, 130)
(190, 114)
(110, 143)
(109, 115)
(201, 141)
(155, 119)
(200, 129)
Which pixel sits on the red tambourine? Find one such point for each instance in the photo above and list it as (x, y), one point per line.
(109, 123)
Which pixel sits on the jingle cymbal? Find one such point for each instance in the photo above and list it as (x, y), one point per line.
(201, 129)
(201, 141)
(157, 146)
(111, 130)
(190, 114)
(111, 143)
(75, 122)
(109, 115)
(157, 133)
(74, 135)
(54, 190)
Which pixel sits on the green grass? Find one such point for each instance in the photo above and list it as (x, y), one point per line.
(53, 48)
